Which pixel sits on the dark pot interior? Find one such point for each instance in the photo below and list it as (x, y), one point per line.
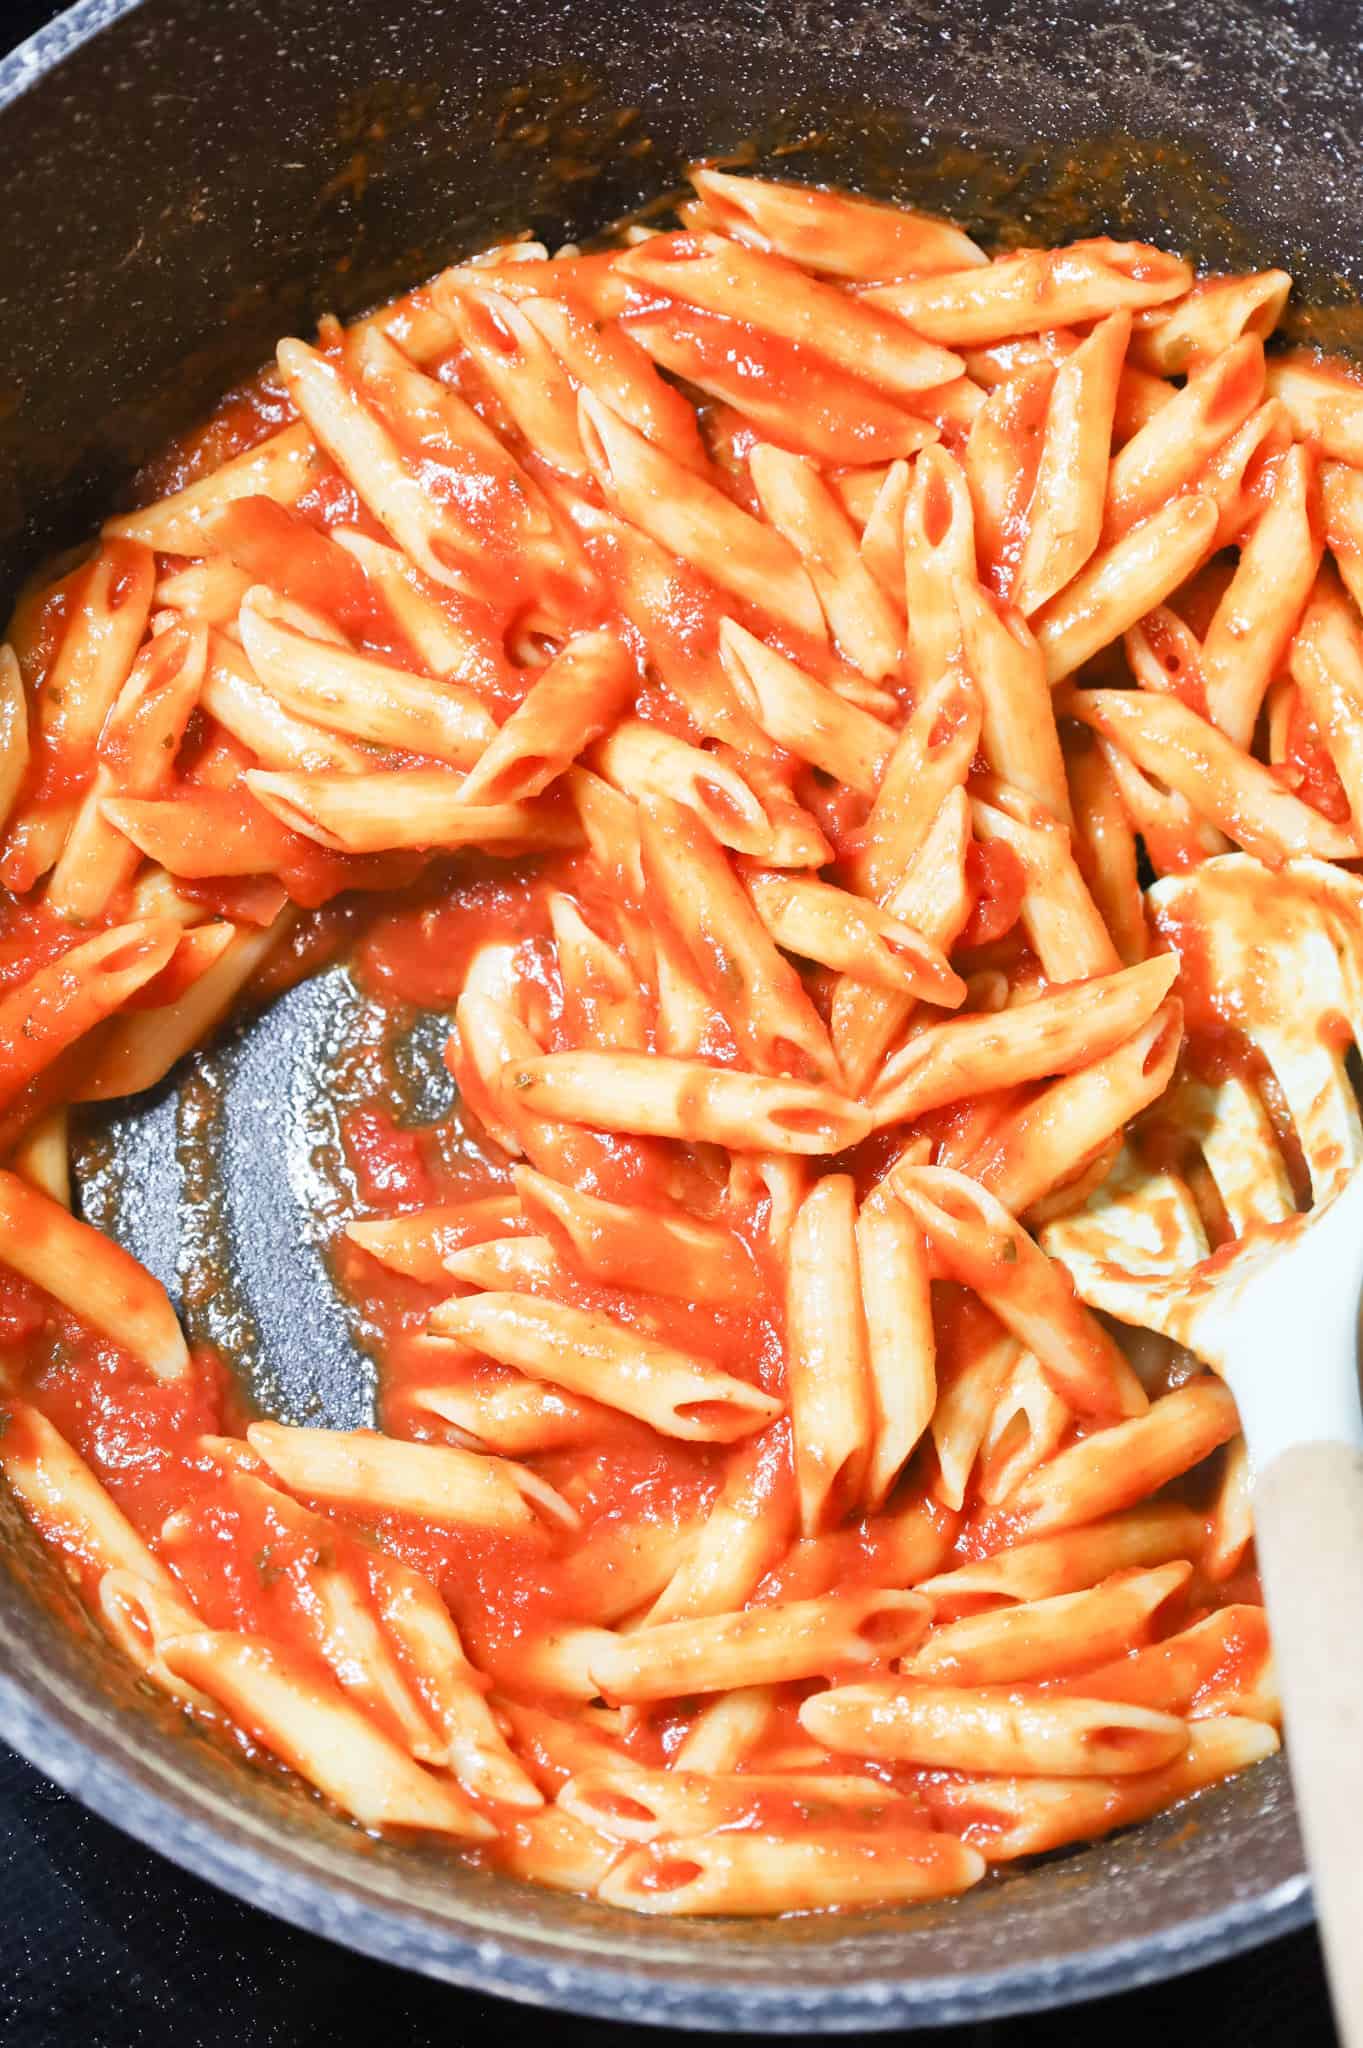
(199, 176)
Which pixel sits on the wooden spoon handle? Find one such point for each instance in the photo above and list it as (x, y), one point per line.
(1308, 1514)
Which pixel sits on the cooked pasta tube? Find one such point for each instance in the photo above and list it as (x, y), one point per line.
(672, 1098)
(509, 1418)
(138, 1050)
(308, 1723)
(775, 297)
(644, 760)
(67, 1503)
(818, 922)
(1046, 1638)
(573, 703)
(137, 751)
(1327, 667)
(991, 1729)
(746, 1531)
(1065, 510)
(973, 1054)
(1325, 403)
(973, 1240)
(1118, 1466)
(728, 1727)
(1220, 1665)
(522, 1264)
(1219, 780)
(1167, 453)
(831, 231)
(800, 505)
(636, 1804)
(244, 708)
(418, 1622)
(1025, 1816)
(1211, 317)
(933, 898)
(554, 1849)
(736, 959)
(792, 396)
(1253, 625)
(1035, 289)
(353, 693)
(827, 1356)
(937, 543)
(43, 1156)
(1044, 1143)
(589, 1354)
(91, 1275)
(45, 1014)
(618, 1241)
(1103, 842)
(759, 1646)
(356, 1468)
(1140, 1538)
(1063, 924)
(932, 756)
(900, 1346)
(735, 1872)
(1018, 734)
(14, 743)
(419, 1242)
(692, 517)
(1123, 581)
(803, 715)
(141, 1614)
(282, 468)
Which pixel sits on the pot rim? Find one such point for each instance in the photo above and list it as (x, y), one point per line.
(356, 1914)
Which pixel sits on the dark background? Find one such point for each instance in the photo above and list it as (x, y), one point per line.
(105, 1944)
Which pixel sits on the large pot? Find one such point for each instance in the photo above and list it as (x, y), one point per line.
(187, 179)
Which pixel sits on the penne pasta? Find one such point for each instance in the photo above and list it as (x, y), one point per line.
(830, 231)
(354, 695)
(590, 1355)
(972, 1239)
(91, 1275)
(615, 1241)
(1047, 1638)
(753, 1873)
(677, 1098)
(991, 1729)
(1009, 1817)
(774, 296)
(1122, 582)
(1034, 290)
(692, 517)
(734, 957)
(310, 1726)
(1054, 1033)
(800, 505)
(1219, 781)
(60, 1493)
(356, 1468)
(1065, 510)
(1120, 1465)
(828, 1364)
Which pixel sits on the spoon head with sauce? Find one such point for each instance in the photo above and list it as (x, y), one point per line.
(1256, 1228)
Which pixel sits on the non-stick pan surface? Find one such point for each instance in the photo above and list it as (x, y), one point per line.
(184, 181)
